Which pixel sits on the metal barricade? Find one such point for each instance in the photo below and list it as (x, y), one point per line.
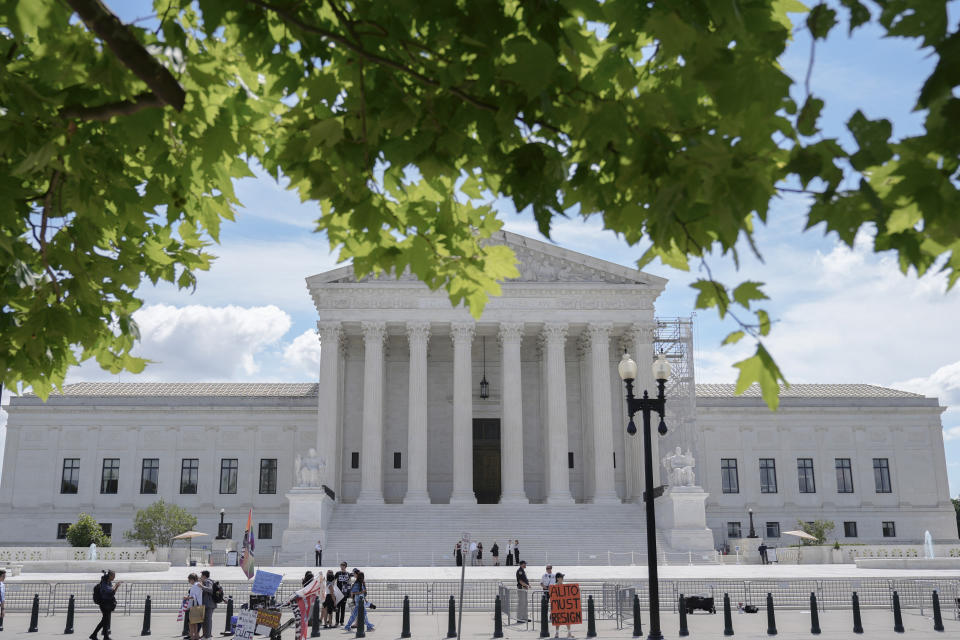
(20, 595)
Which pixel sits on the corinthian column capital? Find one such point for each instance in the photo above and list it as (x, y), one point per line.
(555, 332)
(462, 332)
(510, 332)
(374, 332)
(418, 332)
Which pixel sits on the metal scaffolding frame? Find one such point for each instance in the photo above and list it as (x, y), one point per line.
(674, 338)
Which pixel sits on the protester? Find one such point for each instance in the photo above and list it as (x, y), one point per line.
(548, 578)
(105, 596)
(318, 553)
(206, 585)
(516, 552)
(330, 599)
(495, 554)
(559, 580)
(763, 553)
(359, 593)
(509, 552)
(458, 553)
(480, 553)
(194, 599)
(343, 583)
(307, 579)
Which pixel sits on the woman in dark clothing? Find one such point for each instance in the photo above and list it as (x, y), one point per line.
(307, 578)
(480, 553)
(458, 554)
(107, 595)
(495, 554)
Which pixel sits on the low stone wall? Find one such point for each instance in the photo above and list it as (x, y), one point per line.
(91, 566)
(22, 555)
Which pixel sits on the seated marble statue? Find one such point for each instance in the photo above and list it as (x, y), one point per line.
(679, 467)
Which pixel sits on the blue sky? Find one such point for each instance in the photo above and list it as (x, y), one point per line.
(841, 315)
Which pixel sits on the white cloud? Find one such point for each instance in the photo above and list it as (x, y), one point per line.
(304, 353)
(943, 383)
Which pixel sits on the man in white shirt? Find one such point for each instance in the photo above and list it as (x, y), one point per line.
(548, 578)
(318, 553)
(473, 553)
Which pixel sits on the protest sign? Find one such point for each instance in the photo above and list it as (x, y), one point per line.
(268, 618)
(565, 604)
(266, 583)
(246, 623)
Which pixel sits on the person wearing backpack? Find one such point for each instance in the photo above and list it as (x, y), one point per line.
(210, 591)
(105, 597)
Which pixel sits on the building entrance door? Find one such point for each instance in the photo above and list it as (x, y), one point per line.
(486, 460)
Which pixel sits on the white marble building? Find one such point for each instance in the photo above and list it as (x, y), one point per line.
(398, 417)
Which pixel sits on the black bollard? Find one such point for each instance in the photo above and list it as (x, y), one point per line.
(591, 620)
(897, 616)
(361, 618)
(771, 616)
(315, 619)
(227, 627)
(684, 632)
(637, 631)
(814, 615)
(497, 621)
(544, 622)
(452, 619)
(857, 623)
(937, 619)
(405, 632)
(68, 628)
(34, 614)
(727, 620)
(145, 631)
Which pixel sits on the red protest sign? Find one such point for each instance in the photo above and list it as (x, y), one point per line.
(565, 604)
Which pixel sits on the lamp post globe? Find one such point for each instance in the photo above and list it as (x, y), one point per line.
(627, 367)
(661, 368)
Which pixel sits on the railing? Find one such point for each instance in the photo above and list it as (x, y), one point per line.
(434, 559)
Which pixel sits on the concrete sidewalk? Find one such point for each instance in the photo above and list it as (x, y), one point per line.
(877, 624)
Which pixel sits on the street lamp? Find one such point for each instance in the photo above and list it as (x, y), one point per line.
(220, 529)
(661, 372)
(752, 534)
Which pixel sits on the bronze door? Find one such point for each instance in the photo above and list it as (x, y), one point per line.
(486, 460)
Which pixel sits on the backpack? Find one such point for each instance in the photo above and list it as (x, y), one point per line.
(217, 592)
(97, 600)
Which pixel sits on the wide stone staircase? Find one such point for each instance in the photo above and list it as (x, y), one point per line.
(425, 535)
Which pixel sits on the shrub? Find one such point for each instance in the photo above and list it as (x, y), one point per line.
(86, 531)
(154, 526)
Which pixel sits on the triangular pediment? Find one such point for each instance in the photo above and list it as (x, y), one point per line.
(539, 262)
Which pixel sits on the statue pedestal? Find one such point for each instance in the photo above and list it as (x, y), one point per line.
(310, 511)
(682, 518)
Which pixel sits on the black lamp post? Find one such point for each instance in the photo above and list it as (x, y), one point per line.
(220, 529)
(646, 405)
(752, 534)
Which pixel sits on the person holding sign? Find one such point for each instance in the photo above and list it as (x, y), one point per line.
(565, 606)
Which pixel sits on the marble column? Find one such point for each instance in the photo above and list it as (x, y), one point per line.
(371, 437)
(462, 335)
(328, 402)
(605, 490)
(418, 336)
(639, 342)
(511, 420)
(558, 476)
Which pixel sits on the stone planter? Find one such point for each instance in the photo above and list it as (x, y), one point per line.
(836, 556)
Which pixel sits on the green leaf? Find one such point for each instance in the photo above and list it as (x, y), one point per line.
(733, 337)
(763, 321)
(712, 294)
(873, 137)
(748, 291)
(859, 14)
(761, 369)
(809, 114)
(820, 21)
(532, 65)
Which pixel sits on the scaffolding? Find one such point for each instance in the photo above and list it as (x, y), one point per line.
(674, 338)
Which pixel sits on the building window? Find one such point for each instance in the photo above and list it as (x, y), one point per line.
(844, 476)
(569, 459)
(228, 475)
(265, 530)
(889, 529)
(189, 475)
(614, 459)
(107, 528)
(881, 475)
(62, 530)
(768, 475)
(70, 481)
(850, 529)
(355, 460)
(805, 475)
(729, 477)
(227, 530)
(773, 530)
(396, 460)
(149, 475)
(733, 530)
(268, 475)
(110, 476)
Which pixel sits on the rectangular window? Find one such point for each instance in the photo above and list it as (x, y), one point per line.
(844, 475)
(62, 530)
(850, 529)
(355, 460)
(107, 528)
(228, 475)
(268, 475)
(265, 530)
(881, 475)
(110, 476)
(768, 475)
(569, 459)
(889, 529)
(614, 459)
(396, 460)
(70, 481)
(733, 530)
(149, 475)
(189, 475)
(805, 475)
(729, 477)
(773, 530)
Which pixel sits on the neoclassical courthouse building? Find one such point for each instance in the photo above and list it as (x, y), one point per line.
(420, 409)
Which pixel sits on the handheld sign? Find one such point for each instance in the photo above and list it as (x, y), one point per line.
(565, 604)
(246, 622)
(268, 618)
(266, 583)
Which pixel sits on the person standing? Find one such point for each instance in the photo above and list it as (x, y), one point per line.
(548, 579)
(480, 553)
(343, 583)
(509, 552)
(206, 586)
(495, 554)
(3, 596)
(523, 585)
(195, 599)
(516, 552)
(763, 553)
(359, 593)
(106, 599)
(559, 580)
(329, 600)
(473, 553)
(318, 553)
(458, 553)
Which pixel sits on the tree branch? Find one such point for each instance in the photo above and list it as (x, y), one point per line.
(42, 237)
(104, 112)
(107, 26)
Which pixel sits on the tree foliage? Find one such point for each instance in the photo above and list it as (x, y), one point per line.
(819, 529)
(154, 526)
(86, 531)
(405, 120)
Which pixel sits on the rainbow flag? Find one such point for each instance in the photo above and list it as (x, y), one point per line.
(247, 561)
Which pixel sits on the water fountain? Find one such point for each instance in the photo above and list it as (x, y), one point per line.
(927, 561)
(927, 545)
